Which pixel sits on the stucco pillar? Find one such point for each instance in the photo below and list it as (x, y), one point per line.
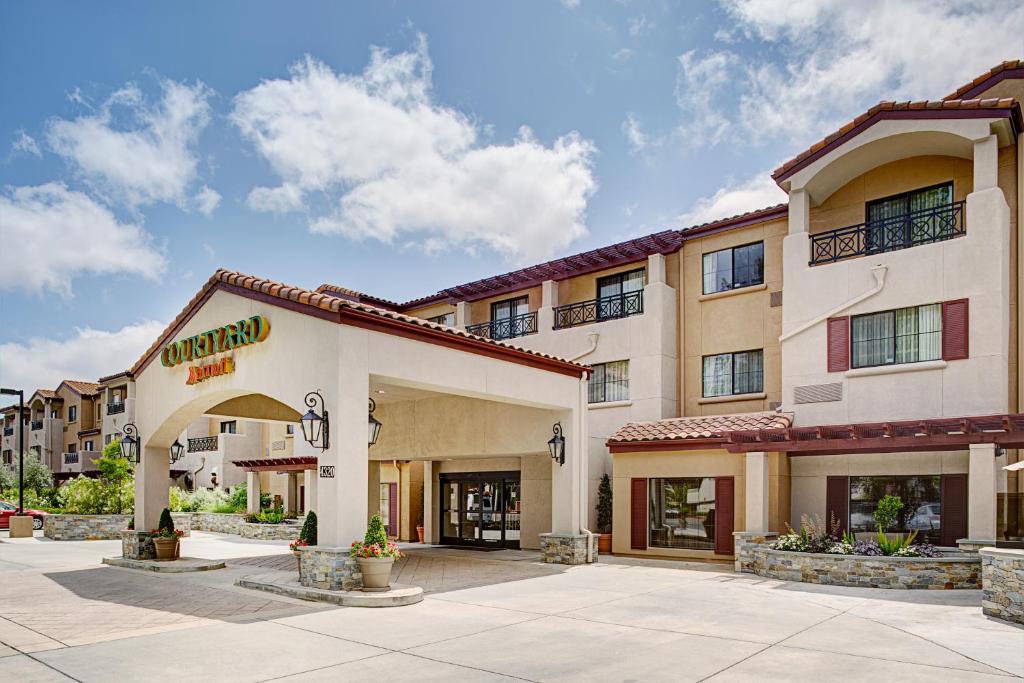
(461, 315)
(372, 489)
(291, 493)
(756, 476)
(799, 212)
(152, 487)
(986, 163)
(548, 303)
(429, 522)
(982, 478)
(653, 355)
(656, 271)
(309, 483)
(252, 492)
(569, 481)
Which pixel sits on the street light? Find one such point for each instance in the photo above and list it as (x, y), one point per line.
(130, 443)
(556, 446)
(373, 424)
(316, 426)
(176, 449)
(21, 444)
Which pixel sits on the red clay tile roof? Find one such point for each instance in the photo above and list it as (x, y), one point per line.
(46, 393)
(83, 388)
(124, 373)
(942, 108)
(740, 220)
(353, 295)
(330, 304)
(707, 427)
(988, 79)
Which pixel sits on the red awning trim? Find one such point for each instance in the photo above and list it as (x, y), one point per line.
(297, 464)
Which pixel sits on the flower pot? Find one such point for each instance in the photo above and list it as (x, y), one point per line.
(376, 572)
(298, 560)
(420, 531)
(166, 548)
(604, 543)
(177, 548)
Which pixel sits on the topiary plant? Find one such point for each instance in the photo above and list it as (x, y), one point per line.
(887, 512)
(166, 521)
(308, 533)
(376, 534)
(604, 506)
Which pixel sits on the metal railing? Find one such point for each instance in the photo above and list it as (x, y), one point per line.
(71, 458)
(598, 310)
(115, 408)
(203, 443)
(889, 234)
(506, 328)
(37, 425)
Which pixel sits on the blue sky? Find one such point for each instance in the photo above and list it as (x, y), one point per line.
(398, 148)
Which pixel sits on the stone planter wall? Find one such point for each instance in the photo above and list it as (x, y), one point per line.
(566, 548)
(1002, 572)
(137, 545)
(329, 569)
(746, 543)
(217, 522)
(85, 527)
(270, 532)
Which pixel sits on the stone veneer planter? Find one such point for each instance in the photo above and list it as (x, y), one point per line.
(1002, 573)
(85, 527)
(270, 532)
(329, 569)
(217, 522)
(566, 548)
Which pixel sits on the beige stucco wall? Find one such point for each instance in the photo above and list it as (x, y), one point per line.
(480, 311)
(740, 320)
(431, 311)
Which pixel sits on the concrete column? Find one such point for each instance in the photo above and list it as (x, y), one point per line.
(291, 493)
(986, 163)
(656, 268)
(569, 481)
(372, 489)
(152, 487)
(756, 491)
(252, 492)
(799, 212)
(548, 303)
(429, 524)
(982, 478)
(461, 315)
(309, 482)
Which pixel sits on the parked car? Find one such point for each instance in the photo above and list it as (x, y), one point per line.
(7, 511)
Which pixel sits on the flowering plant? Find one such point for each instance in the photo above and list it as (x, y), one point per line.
(296, 544)
(375, 544)
(167, 533)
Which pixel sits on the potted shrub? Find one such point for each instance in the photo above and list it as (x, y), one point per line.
(604, 515)
(375, 555)
(166, 538)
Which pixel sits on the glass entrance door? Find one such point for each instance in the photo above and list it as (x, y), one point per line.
(481, 509)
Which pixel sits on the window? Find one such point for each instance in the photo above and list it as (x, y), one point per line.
(921, 503)
(906, 335)
(72, 448)
(909, 218)
(728, 374)
(610, 382)
(55, 414)
(682, 513)
(230, 427)
(88, 446)
(8, 457)
(503, 314)
(612, 290)
(734, 268)
(72, 413)
(36, 451)
(385, 505)
(446, 319)
(289, 429)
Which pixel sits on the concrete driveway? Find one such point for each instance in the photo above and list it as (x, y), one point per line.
(63, 617)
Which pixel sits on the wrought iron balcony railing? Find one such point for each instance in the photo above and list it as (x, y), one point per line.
(597, 310)
(8, 431)
(506, 328)
(889, 234)
(37, 425)
(203, 443)
(71, 458)
(115, 408)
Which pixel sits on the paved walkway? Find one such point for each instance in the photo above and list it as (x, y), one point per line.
(62, 618)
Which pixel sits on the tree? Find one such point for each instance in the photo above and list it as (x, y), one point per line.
(887, 512)
(115, 472)
(8, 478)
(38, 477)
(166, 521)
(308, 533)
(375, 533)
(604, 506)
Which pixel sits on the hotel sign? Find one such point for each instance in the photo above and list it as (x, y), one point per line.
(225, 338)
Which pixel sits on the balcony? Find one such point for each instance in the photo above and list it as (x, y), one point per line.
(506, 328)
(203, 443)
(598, 310)
(71, 458)
(115, 408)
(8, 431)
(926, 226)
(36, 425)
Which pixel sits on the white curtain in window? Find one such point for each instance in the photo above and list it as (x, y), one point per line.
(718, 375)
(907, 339)
(872, 339)
(616, 377)
(929, 327)
(718, 271)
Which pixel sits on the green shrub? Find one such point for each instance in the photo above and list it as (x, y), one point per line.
(308, 533)
(604, 506)
(887, 512)
(238, 498)
(200, 500)
(166, 521)
(376, 534)
(271, 516)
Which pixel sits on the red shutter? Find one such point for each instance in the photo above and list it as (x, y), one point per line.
(725, 503)
(955, 329)
(393, 509)
(837, 502)
(638, 514)
(953, 509)
(838, 344)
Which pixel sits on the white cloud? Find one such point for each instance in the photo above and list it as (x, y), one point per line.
(395, 165)
(135, 152)
(571, 4)
(634, 133)
(206, 200)
(52, 234)
(638, 26)
(622, 55)
(753, 193)
(810, 66)
(42, 363)
(25, 144)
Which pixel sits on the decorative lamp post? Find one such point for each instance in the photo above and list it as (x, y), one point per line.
(315, 426)
(20, 393)
(130, 443)
(556, 446)
(176, 451)
(373, 424)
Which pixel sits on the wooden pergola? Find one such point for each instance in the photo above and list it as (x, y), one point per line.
(296, 464)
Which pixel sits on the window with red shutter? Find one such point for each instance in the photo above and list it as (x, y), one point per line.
(725, 502)
(953, 509)
(838, 344)
(955, 329)
(638, 514)
(393, 509)
(837, 502)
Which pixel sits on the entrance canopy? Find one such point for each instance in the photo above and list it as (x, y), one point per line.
(297, 464)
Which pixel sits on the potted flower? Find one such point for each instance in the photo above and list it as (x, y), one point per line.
(375, 555)
(296, 548)
(604, 516)
(166, 538)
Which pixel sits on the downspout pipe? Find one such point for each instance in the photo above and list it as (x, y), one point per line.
(878, 271)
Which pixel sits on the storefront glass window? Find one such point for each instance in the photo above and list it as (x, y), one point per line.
(682, 513)
(921, 503)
